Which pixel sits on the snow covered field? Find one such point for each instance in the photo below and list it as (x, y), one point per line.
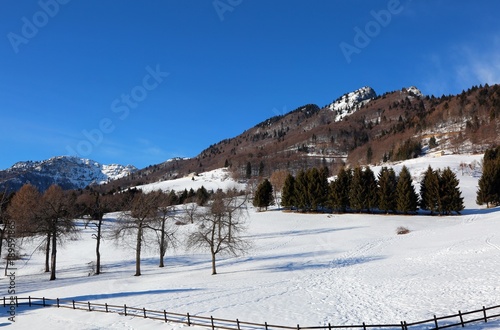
(303, 269)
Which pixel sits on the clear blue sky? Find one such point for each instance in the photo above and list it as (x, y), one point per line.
(139, 82)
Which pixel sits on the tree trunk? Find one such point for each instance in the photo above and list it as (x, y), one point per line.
(53, 256)
(214, 271)
(97, 246)
(163, 249)
(138, 251)
(47, 253)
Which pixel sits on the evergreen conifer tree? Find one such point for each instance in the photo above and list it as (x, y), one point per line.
(489, 182)
(315, 188)
(371, 194)
(387, 182)
(357, 192)
(406, 197)
(450, 196)
(264, 195)
(302, 191)
(338, 197)
(288, 192)
(429, 191)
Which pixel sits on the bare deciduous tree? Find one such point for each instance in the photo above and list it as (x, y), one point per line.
(57, 219)
(4, 218)
(166, 226)
(24, 210)
(190, 210)
(143, 212)
(96, 205)
(277, 179)
(219, 230)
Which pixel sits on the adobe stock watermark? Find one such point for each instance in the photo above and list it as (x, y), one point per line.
(11, 269)
(223, 6)
(120, 106)
(30, 27)
(372, 29)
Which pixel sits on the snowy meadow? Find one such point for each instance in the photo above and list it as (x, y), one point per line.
(307, 269)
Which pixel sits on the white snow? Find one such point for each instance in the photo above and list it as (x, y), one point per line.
(307, 269)
(212, 180)
(348, 103)
(415, 91)
(79, 171)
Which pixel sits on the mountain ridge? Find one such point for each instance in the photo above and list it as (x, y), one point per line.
(359, 127)
(69, 172)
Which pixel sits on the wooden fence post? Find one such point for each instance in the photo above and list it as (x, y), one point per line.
(189, 320)
(57, 303)
(238, 324)
(43, 299)
(485, 317)
(29, 301)
(125, 309)
(89, 306)
(265, 323)
(212, 322)
(106, 305)
(364, 326)
(165, 315)
(3, 301)
(329, 326)
(461, 319)
(298, 327)
(73, 301)
(436, 322)
(17, 302)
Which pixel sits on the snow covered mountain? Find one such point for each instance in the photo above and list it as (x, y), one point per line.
(348, 103)
(68, 172)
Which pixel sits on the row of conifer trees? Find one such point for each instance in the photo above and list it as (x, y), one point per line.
(358, 190)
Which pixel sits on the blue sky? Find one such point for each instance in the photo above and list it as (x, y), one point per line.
(139, 82)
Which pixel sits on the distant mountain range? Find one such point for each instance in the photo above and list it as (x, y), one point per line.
(67, 172)
(360, 127)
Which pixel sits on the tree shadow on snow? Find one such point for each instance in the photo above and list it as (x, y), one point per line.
(298, 262)
(480, 211)
(301, 232)
(37, 304)
(125, 294)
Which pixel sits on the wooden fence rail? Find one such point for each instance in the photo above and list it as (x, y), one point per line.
(456, 320)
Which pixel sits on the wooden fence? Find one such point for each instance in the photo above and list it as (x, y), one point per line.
(456, 320)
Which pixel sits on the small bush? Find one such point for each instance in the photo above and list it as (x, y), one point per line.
(402, 231)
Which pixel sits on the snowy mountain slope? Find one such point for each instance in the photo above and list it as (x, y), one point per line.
(307, 269)
(212, 180)
(350, 102)
(68, 172)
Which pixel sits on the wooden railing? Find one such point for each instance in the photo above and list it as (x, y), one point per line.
(456, 320)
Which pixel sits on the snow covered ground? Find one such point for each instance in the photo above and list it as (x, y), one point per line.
(303, 269)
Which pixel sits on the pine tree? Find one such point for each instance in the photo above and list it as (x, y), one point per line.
(406, 197)
(450, 196)
(202, 196)
(429, 191)
(338, 197)
(264, 195)
(369, 155)
(370, 184)
(357, 192)
(489, 183)
(249, 170)
(387, 182)
(288, 192)
(315, 188)
(301, 191)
